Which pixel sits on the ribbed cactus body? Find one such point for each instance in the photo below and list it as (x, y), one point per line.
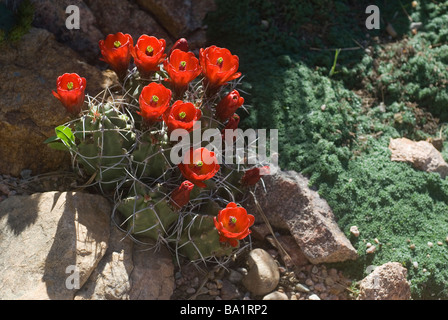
(105, 139)
(199, 239)
(149, 158)
(147, 214)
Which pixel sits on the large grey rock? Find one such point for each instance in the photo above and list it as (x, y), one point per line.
(386, 282)
(28, 110)
(182, 18)
(49, 239)
(125, 16)
(422, 155)
(130, 272)
(51, 15)
(289, 204)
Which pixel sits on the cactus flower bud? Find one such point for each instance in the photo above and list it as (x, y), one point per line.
(181, 196)
(228, 105)
(253, 175)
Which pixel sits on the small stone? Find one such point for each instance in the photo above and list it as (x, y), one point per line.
(214, 292)
(235, 276)
(354, 231)
(376, 241)
(439, 243)
(371, 250)
(368, 244)
(276, 295)
(320, 287)
(309, 282)
(414, 4)
(315, 269)
(412, 246)
(415, 264)
(424, 270)
(313, 297)
(430, 244)
(263, 275)
(190, 290)
(329, 281)
(302, 288)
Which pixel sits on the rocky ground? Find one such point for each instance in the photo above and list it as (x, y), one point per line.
(260, 271)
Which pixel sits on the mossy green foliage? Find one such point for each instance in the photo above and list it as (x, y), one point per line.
(15, 23)
(328, 132)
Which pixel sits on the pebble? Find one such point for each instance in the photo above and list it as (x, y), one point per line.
(276, 295)
(309, 282)
(354, 231)
(430, 244)
(302, 288)
(439, 243)
(313, 297)
(371, 250)
(415, 264)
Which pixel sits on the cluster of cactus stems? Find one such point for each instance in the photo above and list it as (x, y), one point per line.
(128, 160)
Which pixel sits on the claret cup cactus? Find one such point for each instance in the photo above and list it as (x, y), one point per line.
(126, 140)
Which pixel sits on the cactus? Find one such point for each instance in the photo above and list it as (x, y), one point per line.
(125, 146)
(147, 214)
(105, 141)
(199, 240)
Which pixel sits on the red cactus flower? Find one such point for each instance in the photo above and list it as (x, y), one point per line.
(233, 224)
(219, 66)
(182, 67)
(252, 176)
(199, 165)
(181, 115)
(154, 100)
(181, 44)
(181, 196)
(116, 51)
(70, 91)
(148, 54)
(228, 105)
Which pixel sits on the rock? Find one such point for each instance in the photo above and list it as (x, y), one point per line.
(51, 15)
(313, 297)
(386, 282)
(422, 155)
(110, 280)
(229, 291)
(28, 110)
(49, 239)
(302, 288)
(181, 18)
(125, 16)
(263, 275)
(235, 276)
(354, 231)
(371, 249)
(276, 295)
(153, 275)
(291, 205)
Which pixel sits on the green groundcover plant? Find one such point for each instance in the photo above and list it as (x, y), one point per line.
(336, 129)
